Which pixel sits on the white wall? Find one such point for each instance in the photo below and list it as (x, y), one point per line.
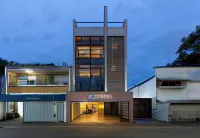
(161, 113)
(75, 110)
(172, 94)
(146, 90)
(98, 31)
(190, 92)
(11, 107)
(183, 73)
(2, 110)
(193, 89)
(20, 108)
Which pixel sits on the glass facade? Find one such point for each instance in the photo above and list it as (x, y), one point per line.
(89, 63)
(37, 79)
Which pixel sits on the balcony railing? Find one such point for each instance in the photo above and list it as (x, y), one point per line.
(38, 89)
(40, 84)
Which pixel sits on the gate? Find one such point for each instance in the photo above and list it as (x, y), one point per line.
(124, 111)
(38, 111)
(142, 108)
(60, 111)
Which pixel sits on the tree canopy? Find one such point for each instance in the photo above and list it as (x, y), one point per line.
(189, 50)
(4, 63)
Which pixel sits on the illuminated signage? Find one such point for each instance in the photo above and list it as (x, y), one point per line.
(99, 96)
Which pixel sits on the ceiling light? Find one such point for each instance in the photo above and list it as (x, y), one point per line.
(28, 71)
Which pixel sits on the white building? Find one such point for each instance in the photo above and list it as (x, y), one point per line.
(175, 93)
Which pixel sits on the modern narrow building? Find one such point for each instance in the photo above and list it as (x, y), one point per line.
(100, 71)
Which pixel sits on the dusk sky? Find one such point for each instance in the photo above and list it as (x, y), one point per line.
(41, 30)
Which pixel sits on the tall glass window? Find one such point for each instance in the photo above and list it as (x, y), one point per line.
(89, 76)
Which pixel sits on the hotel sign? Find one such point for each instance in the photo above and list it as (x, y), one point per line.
(99, 96)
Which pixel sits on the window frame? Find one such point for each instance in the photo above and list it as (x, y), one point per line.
(89, 55)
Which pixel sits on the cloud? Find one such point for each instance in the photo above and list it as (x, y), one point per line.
(48, 36)
(50, 13)
(5, 40)
(44, 27)
(24, 39)
(28, 23)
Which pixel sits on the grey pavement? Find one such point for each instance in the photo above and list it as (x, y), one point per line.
(98, 130)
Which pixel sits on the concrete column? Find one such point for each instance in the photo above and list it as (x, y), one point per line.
(70, 79)
(125, 53)
(74, 54)
(6, 89)
(105, 46)
(131, 110)
(6, 80)
(68, 108)
(65, 111)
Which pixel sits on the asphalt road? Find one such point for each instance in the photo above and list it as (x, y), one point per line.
(99, 130)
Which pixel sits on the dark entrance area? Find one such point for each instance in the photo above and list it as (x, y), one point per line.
(120, 109)
(111, 108)
(142, 108)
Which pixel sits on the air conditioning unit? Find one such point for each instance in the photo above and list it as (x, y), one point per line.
(113, 68)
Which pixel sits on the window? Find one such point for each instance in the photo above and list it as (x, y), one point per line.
(26, 80)
(89, 78)
(89, 70)
(82, 52)
(95, 38)
(115, 46)
(87, 52)
(172, 83)
(102, 72)
(97, 52)
(85, 38)
(102, 38)
(83, 72)
(78, 38)
(83, 66)
(60, 79)
(95, 72)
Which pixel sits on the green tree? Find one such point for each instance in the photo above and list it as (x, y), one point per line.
(189, 50)
(3, 63)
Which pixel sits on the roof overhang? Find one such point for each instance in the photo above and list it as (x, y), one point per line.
(38, 70)
(183, 101)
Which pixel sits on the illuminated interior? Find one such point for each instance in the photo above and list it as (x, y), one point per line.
(79, 109)
(36, 79)
(89, 51)
(80, 112)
